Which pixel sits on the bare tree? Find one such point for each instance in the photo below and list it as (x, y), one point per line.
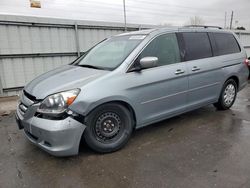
(196, 20)
(240, 28)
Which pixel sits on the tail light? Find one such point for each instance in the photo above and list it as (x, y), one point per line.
(247, 62)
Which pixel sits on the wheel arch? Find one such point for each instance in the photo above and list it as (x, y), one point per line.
(235, 78)
(121, 102)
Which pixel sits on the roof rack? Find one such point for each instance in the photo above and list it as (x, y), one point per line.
(204, 26)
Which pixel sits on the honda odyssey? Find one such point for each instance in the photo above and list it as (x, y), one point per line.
(129, 81)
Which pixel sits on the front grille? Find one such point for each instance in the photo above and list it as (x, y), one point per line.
(30, 97)
(23, 108)
(26, 101)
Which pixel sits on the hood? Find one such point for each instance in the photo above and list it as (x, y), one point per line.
(61, 79)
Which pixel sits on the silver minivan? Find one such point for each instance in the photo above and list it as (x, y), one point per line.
(129, 81)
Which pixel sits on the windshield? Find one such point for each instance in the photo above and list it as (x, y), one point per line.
(110, 53)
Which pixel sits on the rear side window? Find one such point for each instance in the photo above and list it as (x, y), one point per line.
(197, 46)
(225, 44)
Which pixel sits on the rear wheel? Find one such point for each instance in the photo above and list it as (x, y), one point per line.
(227, 96)
(109, 127)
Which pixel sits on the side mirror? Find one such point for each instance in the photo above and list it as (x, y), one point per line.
(148, 62)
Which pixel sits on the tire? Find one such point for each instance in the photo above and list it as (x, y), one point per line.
(109, 128)
(227, 96)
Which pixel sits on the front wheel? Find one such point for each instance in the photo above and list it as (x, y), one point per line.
(227, 96)
(109, 127)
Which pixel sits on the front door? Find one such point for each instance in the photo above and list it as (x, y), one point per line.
(161, 91)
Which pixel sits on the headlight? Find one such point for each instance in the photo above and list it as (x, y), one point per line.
(58, 103)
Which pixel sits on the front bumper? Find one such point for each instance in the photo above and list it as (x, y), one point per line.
(57, 137)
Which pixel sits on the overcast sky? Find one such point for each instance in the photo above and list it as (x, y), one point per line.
(173, 12)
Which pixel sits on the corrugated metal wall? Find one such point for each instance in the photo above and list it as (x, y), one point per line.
(28, 39)
(245, 40)
(31, 46)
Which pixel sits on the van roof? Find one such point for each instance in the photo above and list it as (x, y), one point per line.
(175, 29)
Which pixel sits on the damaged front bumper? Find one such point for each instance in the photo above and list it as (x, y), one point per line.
(59, 137)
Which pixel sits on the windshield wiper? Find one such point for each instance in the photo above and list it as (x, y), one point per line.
(91, 66)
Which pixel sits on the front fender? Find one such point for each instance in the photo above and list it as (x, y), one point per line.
(85, 107)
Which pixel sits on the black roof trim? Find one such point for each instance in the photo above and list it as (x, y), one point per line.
(204, 26)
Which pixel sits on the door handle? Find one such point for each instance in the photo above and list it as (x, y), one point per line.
(179, 71)
(195, 68)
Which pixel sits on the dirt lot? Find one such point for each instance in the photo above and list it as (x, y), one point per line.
(204, 148)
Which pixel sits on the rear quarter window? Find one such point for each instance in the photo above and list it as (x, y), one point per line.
(197, 46)
(225, 44)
